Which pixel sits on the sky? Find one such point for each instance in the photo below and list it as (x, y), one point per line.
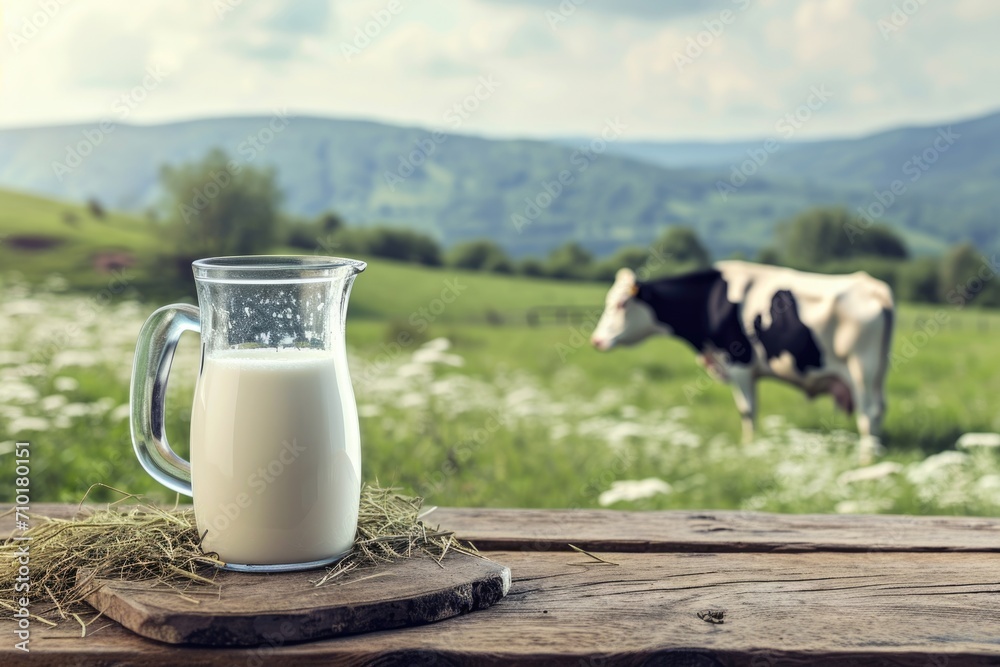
(669, 70)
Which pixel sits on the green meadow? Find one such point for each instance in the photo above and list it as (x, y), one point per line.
(465, 403)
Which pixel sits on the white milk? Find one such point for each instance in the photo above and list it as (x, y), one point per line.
(275, 457)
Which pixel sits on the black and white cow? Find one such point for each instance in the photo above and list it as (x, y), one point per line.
(821, 333)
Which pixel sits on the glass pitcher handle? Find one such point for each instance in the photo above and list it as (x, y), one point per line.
(153, 355)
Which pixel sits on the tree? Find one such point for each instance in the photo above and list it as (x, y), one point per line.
(219, 207)
(681, 245)
(881, 241)
(919, 280)
(531, 267)
(968, 277)
(402, 244)
(570, 261)
(630, 257)
(319, 234)
(96, 208)
(330, 222)
(826, 234)
(768, 256)
(637, 258)
(299, 233)
(482, 255)
(816, 236)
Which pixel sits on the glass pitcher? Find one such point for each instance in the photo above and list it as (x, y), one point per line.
(275, 469)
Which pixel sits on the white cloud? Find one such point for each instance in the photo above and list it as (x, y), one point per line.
(607, 60)
(833, 33)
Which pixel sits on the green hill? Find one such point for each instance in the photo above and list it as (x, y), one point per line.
(39, 237)
(462, 187)
(37, 241)
(466, 187)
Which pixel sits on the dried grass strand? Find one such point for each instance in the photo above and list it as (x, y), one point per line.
(143, 542)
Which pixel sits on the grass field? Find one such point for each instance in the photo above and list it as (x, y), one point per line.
(75, 236)
(512, 415)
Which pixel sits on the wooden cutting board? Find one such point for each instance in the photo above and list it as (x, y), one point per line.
(277, 609)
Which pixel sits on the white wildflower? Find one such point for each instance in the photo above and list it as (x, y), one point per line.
(608, 398)
(684, 438)
(862, 506)
(369, 410)
(55, 283)
(436, 357)
(870, 473)
(559, 431)
(413, 400)
(17, 392)
(53, 402)
(412, 370)
(22, 371)
(678, 412)
(989, 483)
(773, 422)
(27, 424)
(934, 467)
(620, 432)
(11, 411)
(523, 395)
(437, 345)
(123, 411)
(64, 383)
(101, 405)
(970, 440)
(448, 385)
(75, 358)
(23, 307)
(75, 410)
(628, 490)
(12, 357)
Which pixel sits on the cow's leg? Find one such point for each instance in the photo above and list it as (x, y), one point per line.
(745, 393)
(869, 403)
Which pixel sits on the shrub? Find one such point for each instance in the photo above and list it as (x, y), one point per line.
(531, 267)
(569, 262)
(482, 255)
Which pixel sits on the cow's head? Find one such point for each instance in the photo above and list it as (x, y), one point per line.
(627, 319)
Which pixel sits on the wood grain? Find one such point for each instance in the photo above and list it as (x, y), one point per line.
(716, 531)
(930, 609)
(247, 609)
(687, 531)
(793, 590)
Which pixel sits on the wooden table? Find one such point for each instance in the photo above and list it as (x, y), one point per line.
(796, 590)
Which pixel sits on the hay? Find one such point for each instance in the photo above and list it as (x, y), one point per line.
(144, 542)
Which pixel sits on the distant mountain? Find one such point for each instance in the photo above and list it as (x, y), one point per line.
(677, 154)
(458, 187)
(949, 172)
